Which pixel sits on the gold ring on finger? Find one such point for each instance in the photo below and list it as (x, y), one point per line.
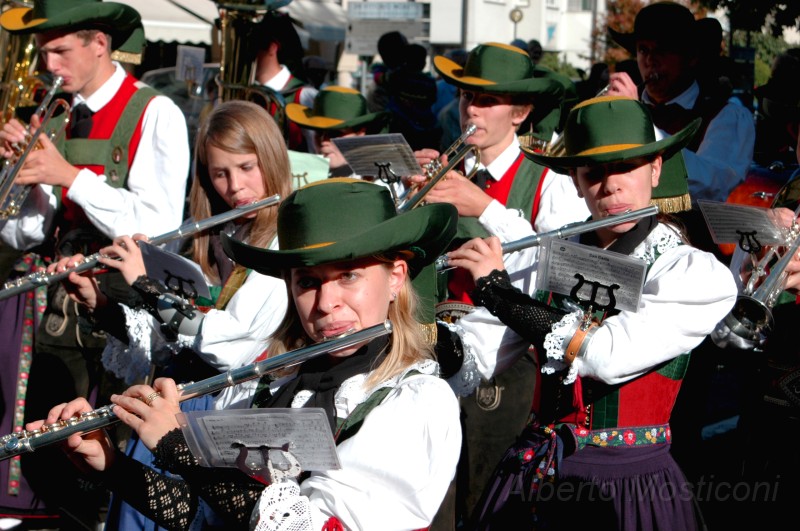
(152, 396)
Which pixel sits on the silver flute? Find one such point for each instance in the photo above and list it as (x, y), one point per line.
(29, 441)
(41, 278)
(568, 230)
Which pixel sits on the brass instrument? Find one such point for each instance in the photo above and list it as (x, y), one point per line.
(19, 82)
(434, 170)
(12, 196)
(240, 44)
(34, 280)
(29, 441)
(748, 325)
(568, 230)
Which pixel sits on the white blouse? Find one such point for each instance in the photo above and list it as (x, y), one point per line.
(395, 471)
(686, 293)
(228, 339)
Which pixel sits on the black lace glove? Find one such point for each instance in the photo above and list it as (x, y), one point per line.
(449, 351)
(231, 493)
(529, 318)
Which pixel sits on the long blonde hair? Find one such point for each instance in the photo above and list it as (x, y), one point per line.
(408, 344)
(239, 127)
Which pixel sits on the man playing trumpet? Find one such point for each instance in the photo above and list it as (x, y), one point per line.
(122, 170)
(665, 43)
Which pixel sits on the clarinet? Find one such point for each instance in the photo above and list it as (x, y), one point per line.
(27, 441)
(42, 278)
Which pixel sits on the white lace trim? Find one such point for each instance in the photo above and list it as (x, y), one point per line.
(554, 347)
(282, 508)
(145, 346)
(662, 239)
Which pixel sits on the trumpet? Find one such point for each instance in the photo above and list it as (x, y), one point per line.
(27, 441)
(748, 325)
(12, 196)
(41, 278)
(568, 230)
(435, 170)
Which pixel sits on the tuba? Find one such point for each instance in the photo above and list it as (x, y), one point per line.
(750, 322)
(19, 82)
(240, 43)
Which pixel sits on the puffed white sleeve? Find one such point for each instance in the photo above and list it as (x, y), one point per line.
(235, 336)
(686, 293)
(32, 226)
(153, 199)
(397, 468)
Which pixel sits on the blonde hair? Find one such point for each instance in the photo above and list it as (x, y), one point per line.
(239, 127)
(408, 344)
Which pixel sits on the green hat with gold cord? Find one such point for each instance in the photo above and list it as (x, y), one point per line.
(122, 22)
(336, 108)
(497, 68)
(346, 219)
(610, 129)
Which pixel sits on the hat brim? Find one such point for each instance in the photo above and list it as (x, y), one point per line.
(118, 20)
(453, 73)
(626, 40)
(665, 147)
(304, 116)
(426, 231)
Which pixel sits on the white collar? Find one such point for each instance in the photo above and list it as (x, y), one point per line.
(686, 99)
(279, 80)
(501, 164)
(105, 93)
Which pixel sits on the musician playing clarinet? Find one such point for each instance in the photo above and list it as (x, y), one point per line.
(395, 422)
(597, 443)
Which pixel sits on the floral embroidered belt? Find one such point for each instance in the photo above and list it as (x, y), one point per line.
(633, 436)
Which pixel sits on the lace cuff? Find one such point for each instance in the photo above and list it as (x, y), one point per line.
(555, 345)
(519, 311)
(172, 452)
(281, 507)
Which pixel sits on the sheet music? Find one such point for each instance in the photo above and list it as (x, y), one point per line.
(731, 223)
(212, 435)
(170, 268)
(364, 154)
(601, 271)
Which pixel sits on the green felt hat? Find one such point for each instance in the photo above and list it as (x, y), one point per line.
(346, 219)
(335, 108)
(121, 21)
(612, 129)
(497, 68)
(668, 23)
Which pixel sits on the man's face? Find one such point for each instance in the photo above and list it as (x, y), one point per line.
(666, 72)
(68, 56)
(495, 117)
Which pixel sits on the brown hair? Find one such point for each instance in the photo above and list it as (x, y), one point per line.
(239, 127)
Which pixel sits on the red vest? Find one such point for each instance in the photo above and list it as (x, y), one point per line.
(104, 121)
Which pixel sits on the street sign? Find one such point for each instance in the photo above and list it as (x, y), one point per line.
(384, 10)
(362, 36)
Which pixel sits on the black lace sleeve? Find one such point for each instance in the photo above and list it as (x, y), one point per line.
(231, 493)
(531, 319)
(163, 499)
